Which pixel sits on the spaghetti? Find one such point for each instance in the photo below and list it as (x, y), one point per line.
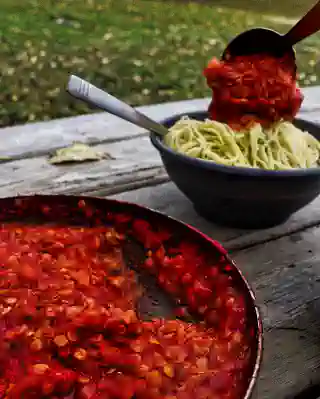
(280, 147)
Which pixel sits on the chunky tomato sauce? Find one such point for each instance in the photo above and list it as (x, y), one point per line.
(254, 88)
(69, 326)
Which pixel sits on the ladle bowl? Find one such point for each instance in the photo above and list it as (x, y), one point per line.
(259, 40)
(263, 40)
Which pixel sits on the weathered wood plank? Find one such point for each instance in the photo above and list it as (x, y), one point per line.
(311, 104)
(169, 200)
(285, 275)
(135, 163)
(41, 138)
(312, 99)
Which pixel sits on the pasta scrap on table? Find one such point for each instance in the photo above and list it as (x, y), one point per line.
(77, 152)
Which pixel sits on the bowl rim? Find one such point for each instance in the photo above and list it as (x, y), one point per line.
(102, 202)
(157, 142)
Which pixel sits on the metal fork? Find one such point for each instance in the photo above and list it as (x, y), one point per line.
(92, 95)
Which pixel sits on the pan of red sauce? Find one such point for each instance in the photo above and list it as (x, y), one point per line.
(111, 300)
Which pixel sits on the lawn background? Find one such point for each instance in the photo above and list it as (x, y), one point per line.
(143, 51)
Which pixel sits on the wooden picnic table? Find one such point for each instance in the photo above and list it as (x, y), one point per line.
(282, 264)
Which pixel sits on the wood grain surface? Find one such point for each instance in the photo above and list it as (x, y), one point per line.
(285, 274)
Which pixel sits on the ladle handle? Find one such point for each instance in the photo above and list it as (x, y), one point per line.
(90, 94)
(308, 25)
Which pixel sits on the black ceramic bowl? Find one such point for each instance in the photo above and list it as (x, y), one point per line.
(240, 197)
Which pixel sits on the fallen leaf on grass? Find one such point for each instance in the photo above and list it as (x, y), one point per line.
(77, 152)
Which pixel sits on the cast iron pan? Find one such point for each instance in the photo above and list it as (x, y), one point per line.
(70, 210)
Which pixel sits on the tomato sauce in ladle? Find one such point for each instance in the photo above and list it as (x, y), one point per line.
(256, 79)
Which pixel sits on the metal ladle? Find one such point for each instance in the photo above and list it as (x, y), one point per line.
(90, 94)
(263, 40)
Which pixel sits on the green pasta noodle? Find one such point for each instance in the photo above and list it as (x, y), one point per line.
(280, 147)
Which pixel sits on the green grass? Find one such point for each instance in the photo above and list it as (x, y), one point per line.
(143, 51)
(289, 8)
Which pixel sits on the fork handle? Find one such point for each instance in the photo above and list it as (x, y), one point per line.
(90, 94)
